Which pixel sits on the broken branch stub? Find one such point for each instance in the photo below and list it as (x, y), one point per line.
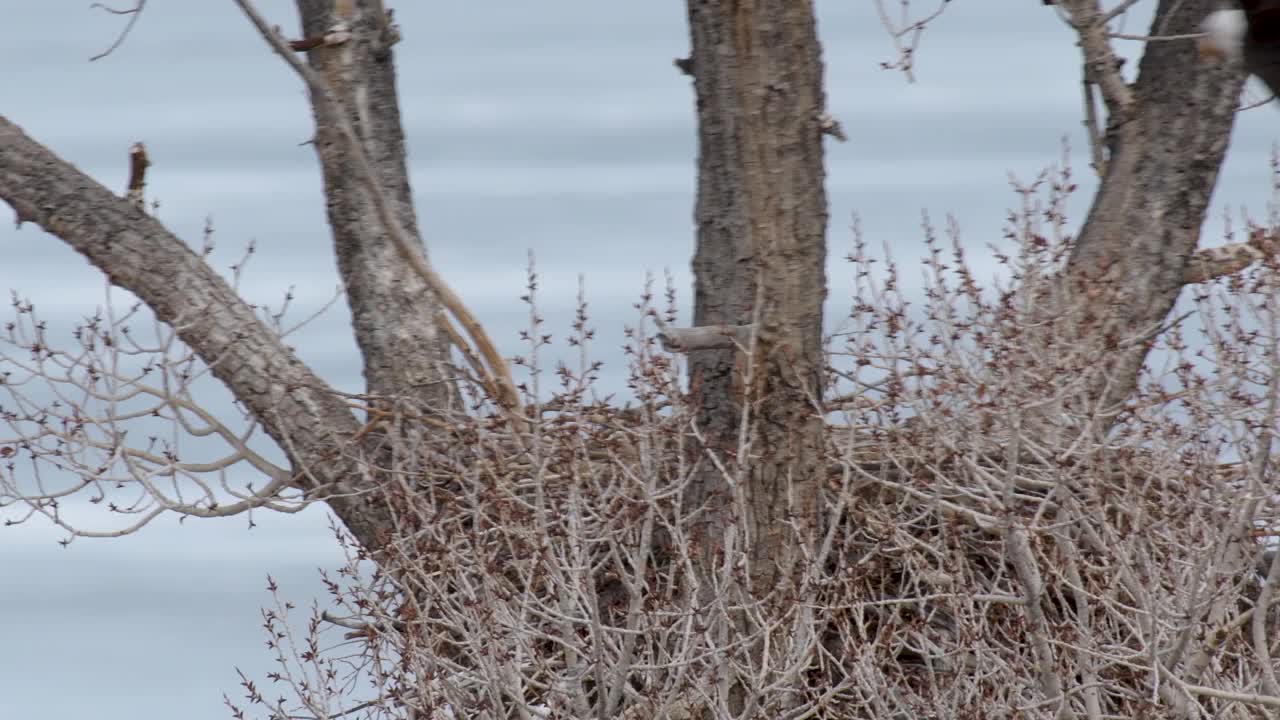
(707, 337)
(138, 164)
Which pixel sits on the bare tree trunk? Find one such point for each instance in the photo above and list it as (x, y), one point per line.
(393, 313)
(1166, 138)
(761, 249)
(756, 358)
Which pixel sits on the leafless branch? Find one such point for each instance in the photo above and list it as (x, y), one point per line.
(1215, 262)
(911, 30)
(134, 14)
(321, 95)
(1155, 38)
(1120, 9)
(967, 560)
(1101, 70)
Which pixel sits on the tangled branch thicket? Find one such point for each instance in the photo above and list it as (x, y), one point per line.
(989, 546)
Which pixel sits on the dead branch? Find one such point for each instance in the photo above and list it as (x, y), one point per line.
(705, 337)
(1215, 262)
(134, 14)
(138, 164)
(1101, 70)
(913, 30)
(830, 126)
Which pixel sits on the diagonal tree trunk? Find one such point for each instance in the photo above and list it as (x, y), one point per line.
(1166, 138)
(311, 424)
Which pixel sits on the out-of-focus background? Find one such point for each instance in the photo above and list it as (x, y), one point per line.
(559, 128)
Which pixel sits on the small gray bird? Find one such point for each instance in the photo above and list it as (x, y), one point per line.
(1248, 29)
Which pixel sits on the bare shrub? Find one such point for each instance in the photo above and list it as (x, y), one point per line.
(977, 560)
(989, 548)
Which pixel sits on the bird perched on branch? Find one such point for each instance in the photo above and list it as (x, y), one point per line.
(1249, 30)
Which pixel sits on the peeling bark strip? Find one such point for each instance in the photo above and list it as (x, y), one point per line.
(334, 116)
(1215, 262)
(761, 251)
(393, 313)
(311, 424)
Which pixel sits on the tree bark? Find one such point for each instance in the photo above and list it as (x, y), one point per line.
(761, 251)
(1167, 137)
(761, 220)
(406, 354)
(393, 313)
(309, 423)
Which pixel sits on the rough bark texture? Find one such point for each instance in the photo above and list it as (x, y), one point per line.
(761, 251)
(1165, 152)
(393, 313)
(311, 425)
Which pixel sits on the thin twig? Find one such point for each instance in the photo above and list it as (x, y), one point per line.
(134, 12)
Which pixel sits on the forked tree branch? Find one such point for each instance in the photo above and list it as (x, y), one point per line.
(134, 13)
(705, 337)
(1101, 70)
(331, 107)
(913, 30)
(1215, 262)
